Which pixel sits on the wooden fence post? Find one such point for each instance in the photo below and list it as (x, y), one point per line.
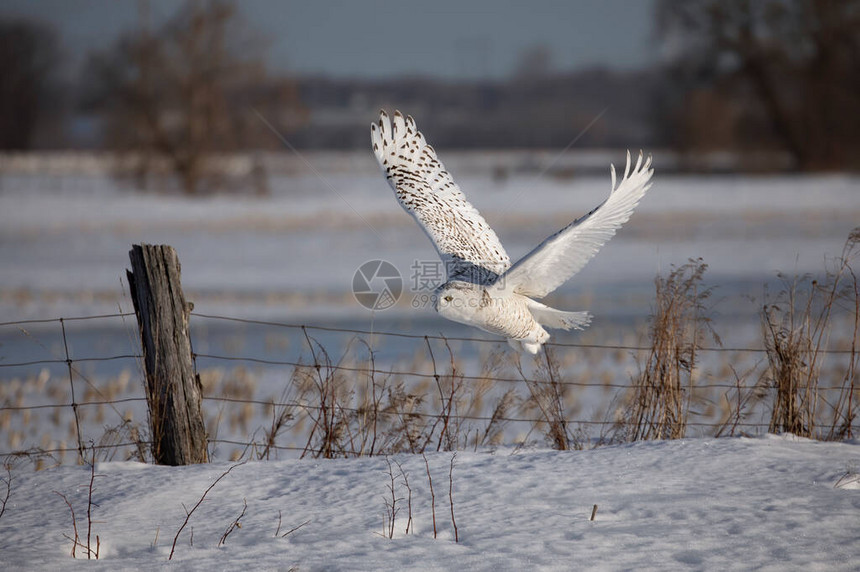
(173, 391)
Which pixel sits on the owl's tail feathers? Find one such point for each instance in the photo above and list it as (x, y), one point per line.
(552, 318)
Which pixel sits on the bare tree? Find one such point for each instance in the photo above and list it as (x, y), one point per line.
(28, 57)
(179, 93)
(781, 72)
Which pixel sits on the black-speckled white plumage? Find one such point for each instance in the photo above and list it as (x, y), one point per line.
(483, 289)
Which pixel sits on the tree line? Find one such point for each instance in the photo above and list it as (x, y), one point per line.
(740, 76)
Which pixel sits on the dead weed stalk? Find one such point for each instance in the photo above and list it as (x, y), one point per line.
(660, 398)
(796, 331)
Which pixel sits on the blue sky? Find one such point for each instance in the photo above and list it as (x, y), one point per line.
(384, 38)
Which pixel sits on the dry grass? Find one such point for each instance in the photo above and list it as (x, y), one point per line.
(805, 382)
(740, 401)
(548, 397)
(6, 484)
(353, 409)
(660, 398)
(190, 513)
(796, 330)
(93, 545)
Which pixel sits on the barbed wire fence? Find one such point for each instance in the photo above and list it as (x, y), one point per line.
(82, 389)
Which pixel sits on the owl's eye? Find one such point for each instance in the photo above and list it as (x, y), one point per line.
(448, 298)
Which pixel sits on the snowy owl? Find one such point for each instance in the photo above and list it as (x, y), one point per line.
(483, 289)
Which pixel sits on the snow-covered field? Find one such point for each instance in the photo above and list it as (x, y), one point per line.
(290, 257)
(64, 240)
(701, 504)
(729, 504)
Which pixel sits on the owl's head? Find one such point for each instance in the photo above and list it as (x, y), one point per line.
(460, 301)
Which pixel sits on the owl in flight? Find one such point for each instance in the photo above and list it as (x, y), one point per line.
(483, 289)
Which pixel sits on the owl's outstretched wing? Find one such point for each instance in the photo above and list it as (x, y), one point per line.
(564, 254)
(465, 242)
